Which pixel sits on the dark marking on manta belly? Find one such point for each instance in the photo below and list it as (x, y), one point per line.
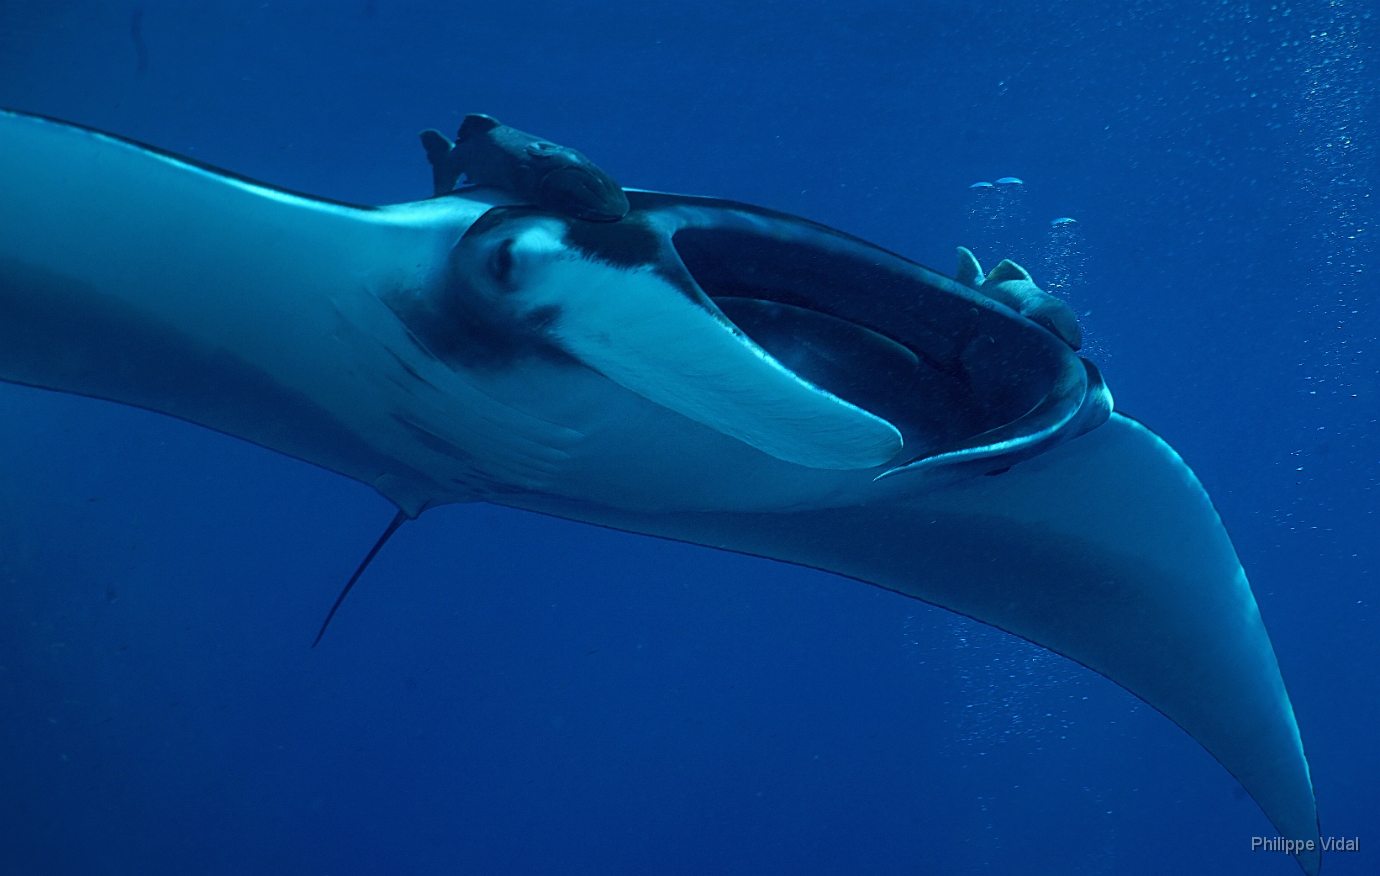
(456, 329)
(408, 368)
(433, 441)
(464, 337)
(631, 243)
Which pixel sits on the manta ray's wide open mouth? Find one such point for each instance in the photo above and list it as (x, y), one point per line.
(883, 333)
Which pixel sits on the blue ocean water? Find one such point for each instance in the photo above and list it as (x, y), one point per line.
(506, 693)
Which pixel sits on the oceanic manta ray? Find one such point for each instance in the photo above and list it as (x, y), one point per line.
(700, 370)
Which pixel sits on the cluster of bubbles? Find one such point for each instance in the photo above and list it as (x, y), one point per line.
(1310, 62)
(1332, 96)
(1011, 690)
(1000, 227)
(1061, 269)
(997, 220)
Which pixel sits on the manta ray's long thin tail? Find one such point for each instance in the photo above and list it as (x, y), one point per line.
(398, 520)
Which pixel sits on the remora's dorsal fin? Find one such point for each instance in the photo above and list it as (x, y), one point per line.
(1008, 270)
(969, 271)
(475, 123)
(1012, 285)
(444, 173)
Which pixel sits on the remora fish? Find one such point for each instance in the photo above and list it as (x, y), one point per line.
(700, 370)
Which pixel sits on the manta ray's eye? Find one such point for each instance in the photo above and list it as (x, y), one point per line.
(501, 262)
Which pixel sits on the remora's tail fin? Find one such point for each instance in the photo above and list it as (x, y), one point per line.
(444, 174)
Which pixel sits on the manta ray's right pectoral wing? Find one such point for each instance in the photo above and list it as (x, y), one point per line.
(1105, 549)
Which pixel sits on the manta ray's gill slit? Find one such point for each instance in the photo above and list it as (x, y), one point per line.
(859, 365)
(872, 329)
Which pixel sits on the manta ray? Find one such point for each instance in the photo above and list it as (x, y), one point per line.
(682, 367)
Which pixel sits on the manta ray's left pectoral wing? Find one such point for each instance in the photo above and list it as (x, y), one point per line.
(136, 276)
(1105, 549)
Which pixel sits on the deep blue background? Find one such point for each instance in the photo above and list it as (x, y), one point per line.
(511, 694)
